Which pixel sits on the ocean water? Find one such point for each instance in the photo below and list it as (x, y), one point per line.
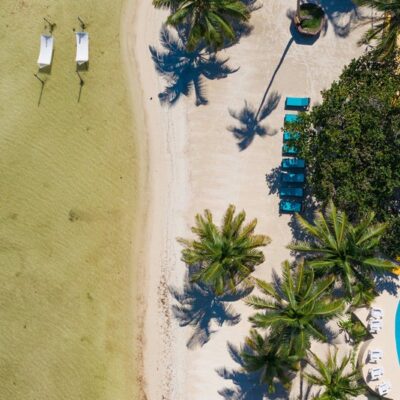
(67, 208)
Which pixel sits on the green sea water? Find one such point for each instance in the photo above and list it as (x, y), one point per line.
(67, 198)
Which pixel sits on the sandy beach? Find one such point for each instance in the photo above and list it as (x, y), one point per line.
(195, 163)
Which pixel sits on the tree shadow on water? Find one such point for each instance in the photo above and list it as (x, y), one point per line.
(246, 386)
(186, 70)
(199, 307)
(250, 121)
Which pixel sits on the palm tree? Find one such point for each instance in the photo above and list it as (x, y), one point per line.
(342, 249)
(272, 361)
(386, 28)
(226, 256)
(338, 382)
(295, 308)
(208, 20)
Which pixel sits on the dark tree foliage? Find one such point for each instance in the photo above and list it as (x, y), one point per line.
(351, 143)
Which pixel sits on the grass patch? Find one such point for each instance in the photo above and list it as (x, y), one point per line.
(311, 16)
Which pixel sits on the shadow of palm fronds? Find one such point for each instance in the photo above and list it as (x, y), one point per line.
(246, 386)
(186, 70)
(197, 306)
(250, 121)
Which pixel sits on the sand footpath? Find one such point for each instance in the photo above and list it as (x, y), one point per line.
(194, 163)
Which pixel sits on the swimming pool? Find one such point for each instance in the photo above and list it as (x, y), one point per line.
(398, 331)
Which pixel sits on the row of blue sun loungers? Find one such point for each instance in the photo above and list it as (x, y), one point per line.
(293, 176)
(301, 103)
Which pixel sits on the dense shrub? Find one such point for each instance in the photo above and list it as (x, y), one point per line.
(351, 143)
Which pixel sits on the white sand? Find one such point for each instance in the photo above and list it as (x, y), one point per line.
(194, 163)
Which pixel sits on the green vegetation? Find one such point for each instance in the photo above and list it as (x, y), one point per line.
(310, 16)
(270, 359)
(295, 312)
(344, 250)
(351, 145)
(355, 330)
(226, 256)
(339, 380)
(386, 27)
(67, 209)
(208, 20)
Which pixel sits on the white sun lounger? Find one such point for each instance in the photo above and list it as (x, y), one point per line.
(46, 51)
(376, 373)
(375, 325)
(376, 313)
(82, 47)
(375, 355)
(383, 388)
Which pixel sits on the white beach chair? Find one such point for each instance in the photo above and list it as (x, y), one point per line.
(46, 51)
(375, 325)
(376, 313)
(383, 388)
(82, 47)
(376, 373)
(375, 355)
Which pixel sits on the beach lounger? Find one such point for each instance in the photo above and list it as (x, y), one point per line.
(82, 47)
(292, 178)
(375, 325)
(289, 118)
(289, 207)
(375, 355)
(291, 192)
(297, 102)
(46, 51)
(375, 373)
(376, 313)
(293, 163)
(289, 150)
(383, 388)
(290, 136)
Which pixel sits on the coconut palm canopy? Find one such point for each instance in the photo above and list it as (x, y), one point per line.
(226, 256)
(208, 20)
(295, 308)
(272, 361)
(338, 380)
(347, 251)
(386, 27)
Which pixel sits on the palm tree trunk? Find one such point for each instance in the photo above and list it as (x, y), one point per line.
(397, 56)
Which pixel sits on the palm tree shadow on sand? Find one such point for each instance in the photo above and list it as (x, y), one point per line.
(198, 306)
(250, 121)
(245, 386)
(185, 70)
(341, 15)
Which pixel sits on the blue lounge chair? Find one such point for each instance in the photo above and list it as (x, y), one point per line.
(293, 163)
(297, 102)
(289, 207)
(290, 136)
(291, 192)
(292, 178)
(289, 150)
(289, 118)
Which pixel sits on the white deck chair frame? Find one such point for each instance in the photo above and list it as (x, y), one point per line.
(82, 47)
(46, 51)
